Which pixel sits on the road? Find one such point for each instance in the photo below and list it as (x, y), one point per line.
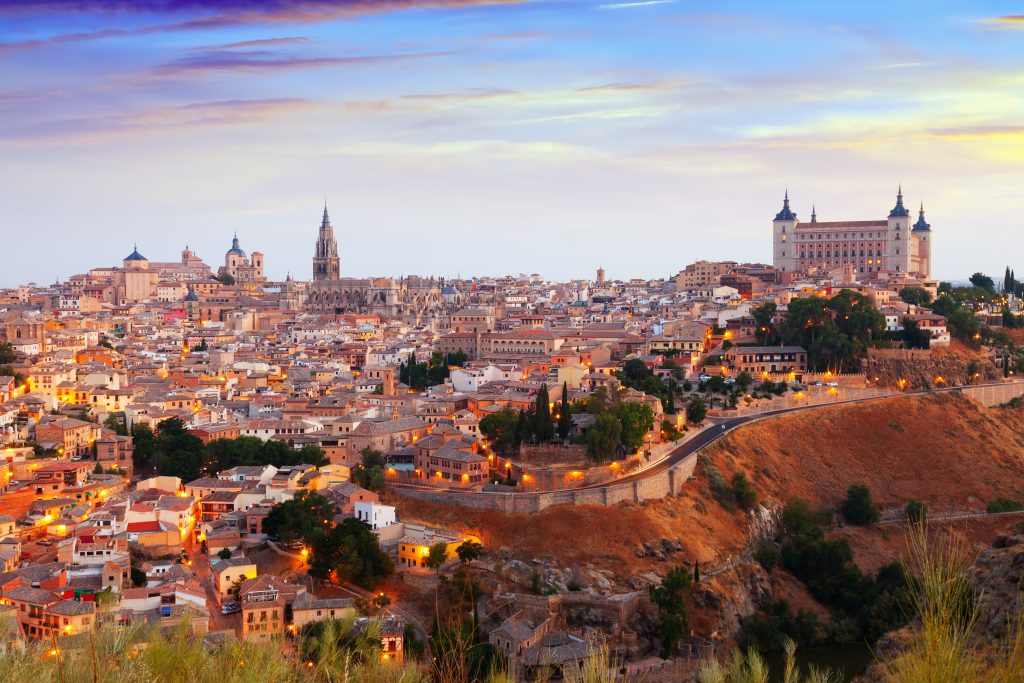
(717, 428)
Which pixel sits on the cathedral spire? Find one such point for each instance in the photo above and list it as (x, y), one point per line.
(786, 214)
(921, 223)
(899, 211)
(814, 213)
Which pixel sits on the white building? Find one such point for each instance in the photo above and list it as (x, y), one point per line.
(376, 515)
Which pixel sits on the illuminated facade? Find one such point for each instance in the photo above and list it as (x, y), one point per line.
(890, 245)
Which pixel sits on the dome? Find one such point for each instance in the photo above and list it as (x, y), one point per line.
(235, 249)
(191, 296)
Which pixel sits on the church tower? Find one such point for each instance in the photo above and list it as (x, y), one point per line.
(784, 249)
(898, 240)
(325, 260)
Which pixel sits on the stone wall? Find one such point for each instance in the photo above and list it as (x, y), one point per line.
(994, 394)
(666, 483)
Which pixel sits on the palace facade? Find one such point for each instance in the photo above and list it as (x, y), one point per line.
(889, 245)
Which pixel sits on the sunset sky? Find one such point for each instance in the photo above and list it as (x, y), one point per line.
(460, 137)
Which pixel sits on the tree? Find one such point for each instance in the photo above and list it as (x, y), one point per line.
(501, 431)
(764, 316)
(696, 411)
(918, 296)
(543, 425)
(670, 598)
(602, 439)
(351, 551)
(744, 380)
(370, 472)
(469, 550)
(858, 509)
(224, 554)
(637, 420)
(144, 444)
(115, 424)
(7, 353)
(564, 414)
(914, 337)
(437, 555)
(982, 281)
(302, 517)
(98, 469)
(225, 279)
(696, 571)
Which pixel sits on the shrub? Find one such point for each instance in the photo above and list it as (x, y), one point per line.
(858, 509)
(742, 491)
(1004, 505)
(916, 511)
(896, 427)
(767, 555)
(715, 479)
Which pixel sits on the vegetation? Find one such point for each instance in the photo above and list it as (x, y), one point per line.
(836, 332)
(128, 654)
(178, 453)
(369, 473)
(636, 375)
(864, 607)
(502, 431)
(670, 598)
(858, 509)
(437, 555)
(469, 551)
(564, 414)
(603, 438)
(696, 411)
(771, 630)
(916, 511)
(750, 667)
(1004, 505)
(917, 296)
(543, 424)
(419, 376)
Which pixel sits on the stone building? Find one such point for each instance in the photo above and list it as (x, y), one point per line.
(889, 245)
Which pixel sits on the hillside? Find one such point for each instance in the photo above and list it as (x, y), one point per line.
(944, 450)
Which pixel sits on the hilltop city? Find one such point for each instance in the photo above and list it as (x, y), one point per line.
(596, 468)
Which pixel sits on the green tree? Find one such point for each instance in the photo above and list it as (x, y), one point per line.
(919, 296)
(603, 438)
(543, 425)
(502, 431)
(696, 411)
(144, 445)
(914, 337)
(858, 509)
(350, 551)
(637, 420)
(469, 550)
(224, 554)
(437, 555)
(115, 424)
(916, 511)
(564, 414)
(982, 281)
(764, 325)
(743, 491)
(301, 518)
(370, 472)
(670, 599)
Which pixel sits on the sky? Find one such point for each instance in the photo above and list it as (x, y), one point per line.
(461, 137)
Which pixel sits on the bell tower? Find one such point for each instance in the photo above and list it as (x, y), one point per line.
(326, 265)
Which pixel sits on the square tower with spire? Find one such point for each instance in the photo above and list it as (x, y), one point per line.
(326, 265)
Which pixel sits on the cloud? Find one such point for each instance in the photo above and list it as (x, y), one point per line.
(229, 13)
(628, 87)
(253, 61)
(260, 42)
(641, 3)
(192, 115)
(1009, 21)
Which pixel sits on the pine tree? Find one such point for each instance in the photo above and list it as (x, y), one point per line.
(564, 414)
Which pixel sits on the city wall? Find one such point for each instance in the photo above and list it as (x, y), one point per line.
(994, 394)
(659, 485)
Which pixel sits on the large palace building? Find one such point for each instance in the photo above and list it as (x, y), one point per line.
(889, 245)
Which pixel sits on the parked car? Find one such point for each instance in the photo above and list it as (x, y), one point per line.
(704, 378)
(46, 541)
(230, 608)
(833, 384)
(25, 555)
(730, 380)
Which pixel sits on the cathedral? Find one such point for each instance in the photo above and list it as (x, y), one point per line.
(240, 267)
(417, 300)
(889, 245)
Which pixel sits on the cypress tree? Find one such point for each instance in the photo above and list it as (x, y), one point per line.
(543, 426)
(696, 571)
(564, 414)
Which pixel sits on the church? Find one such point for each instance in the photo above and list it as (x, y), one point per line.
(888, 245)
(417, 300)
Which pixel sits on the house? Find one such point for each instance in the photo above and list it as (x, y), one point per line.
(374, 514)
(307, 609)
(226, 573)
(758, 360)
(262, 608)
(114, 452)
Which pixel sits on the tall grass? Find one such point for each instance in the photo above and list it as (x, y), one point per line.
(128, 655)
(944, 645)
(750, 667)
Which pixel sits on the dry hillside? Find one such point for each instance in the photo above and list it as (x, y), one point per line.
(943, 450)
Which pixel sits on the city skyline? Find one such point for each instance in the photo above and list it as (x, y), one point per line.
(481, 138)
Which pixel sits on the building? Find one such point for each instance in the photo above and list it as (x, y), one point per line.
(375, 514)
(702, 273)
(889, 245)
(262, 608)
(758, 360)
(240, 267)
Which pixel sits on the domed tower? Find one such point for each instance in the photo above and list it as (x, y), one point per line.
(326, 265)
(234, 258)
(897, 247)
(784, 255)
(135, 260)
(922, 233)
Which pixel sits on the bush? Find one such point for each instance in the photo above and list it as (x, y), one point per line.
(742, 491)
(715, 479)
(767, 555)
(916, 511)
(858, 509)
(1004, 505)
(769, 632)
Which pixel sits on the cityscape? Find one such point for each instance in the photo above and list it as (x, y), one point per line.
(347, 450)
